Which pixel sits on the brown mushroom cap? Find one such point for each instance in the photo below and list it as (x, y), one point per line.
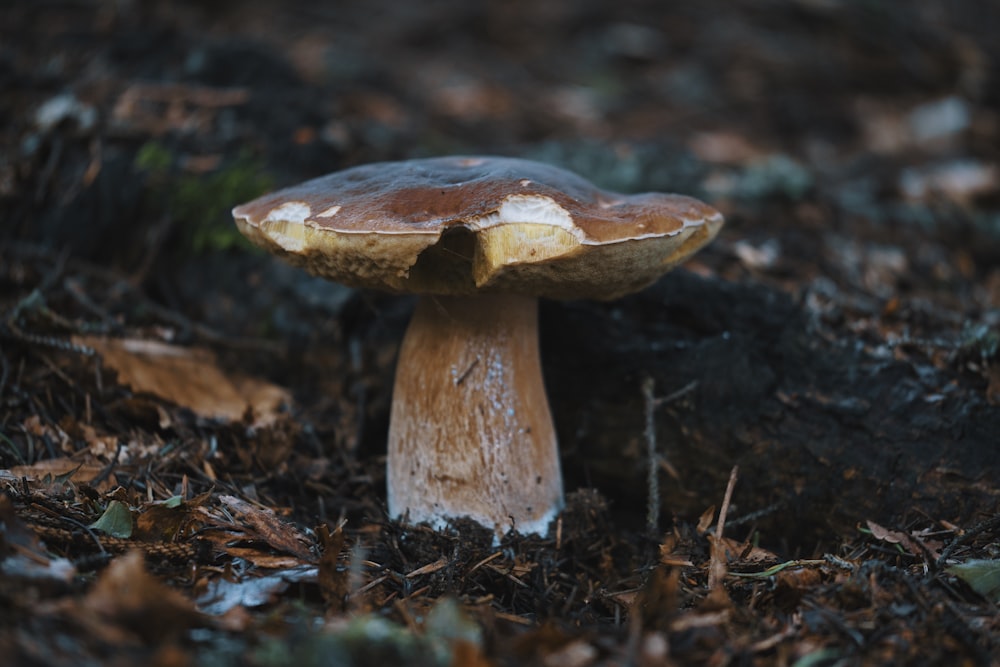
(461, 225)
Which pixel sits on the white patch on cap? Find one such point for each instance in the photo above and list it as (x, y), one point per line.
(526, 209)
(290, 211)
(330, 212)
(285, 225)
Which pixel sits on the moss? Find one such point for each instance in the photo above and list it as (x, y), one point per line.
(154, 158)
(200, 204)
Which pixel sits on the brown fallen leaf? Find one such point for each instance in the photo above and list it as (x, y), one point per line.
(794, 583)
(266, 526)
(897, 537)
(188, 377)
(63, 469)
(161, 522)
(746, 553)
(36, 427)
(262, 559)
(129, 603)
(669, 554)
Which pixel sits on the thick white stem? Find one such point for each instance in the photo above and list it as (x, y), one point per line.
(470, 432)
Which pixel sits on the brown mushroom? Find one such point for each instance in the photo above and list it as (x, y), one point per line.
(481, 238)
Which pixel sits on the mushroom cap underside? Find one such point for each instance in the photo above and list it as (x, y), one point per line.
(462, 225)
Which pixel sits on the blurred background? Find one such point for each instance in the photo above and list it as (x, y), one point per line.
(113, 111)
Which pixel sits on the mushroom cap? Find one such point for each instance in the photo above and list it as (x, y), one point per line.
(461, 225)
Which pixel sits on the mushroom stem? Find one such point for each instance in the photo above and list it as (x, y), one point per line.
(470, 432)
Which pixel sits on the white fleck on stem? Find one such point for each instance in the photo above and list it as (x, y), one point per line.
(470, 432)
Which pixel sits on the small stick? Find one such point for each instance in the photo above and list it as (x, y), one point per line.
(718, 565)
(652, 457)
(652, 480)
(725, 501)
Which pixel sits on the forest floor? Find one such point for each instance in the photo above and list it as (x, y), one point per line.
(192, 434)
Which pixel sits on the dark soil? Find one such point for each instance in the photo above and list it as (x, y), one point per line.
(838, 344)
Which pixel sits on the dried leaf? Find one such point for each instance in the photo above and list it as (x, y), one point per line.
(658, 599)
(163, 522)
(262, 559)
(896, 537)
(59, 471)
(188, 377)
(268, 527)
(669, 554)
(746, 553)
(36, 427)
(799, 579)
(127, 598)
(705, 520)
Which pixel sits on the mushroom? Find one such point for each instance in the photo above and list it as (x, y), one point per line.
(480, 239)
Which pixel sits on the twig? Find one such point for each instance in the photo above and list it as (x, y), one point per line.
(652, 479)
(489, 559)
(77, 293)
(653, 458)
(756, 514)
(35, 301)
(206, 332)
(718, 564)
(16, 333)
(979, 528)
(70, 520)
(724, 510)
(673, 396)
(121, 285)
